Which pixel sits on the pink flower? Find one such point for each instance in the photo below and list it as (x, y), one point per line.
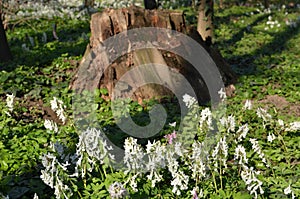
(170, 137)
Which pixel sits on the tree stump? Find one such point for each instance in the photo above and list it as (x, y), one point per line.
(110, 23)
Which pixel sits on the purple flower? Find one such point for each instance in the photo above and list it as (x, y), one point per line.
(170, 137)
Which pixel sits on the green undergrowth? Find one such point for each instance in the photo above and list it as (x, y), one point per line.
(266, 60)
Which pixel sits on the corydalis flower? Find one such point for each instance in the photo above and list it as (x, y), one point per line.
(228, 123)
(257, 149)
(172, 124)
(262, 113)
(35, 196)
(222, 94)
(220, 152)
(294, 126)
(243, 131)
(197, 164)
(288, 191)
(240, 155)
(206, 117)
(248, 105)
(170, 137)
(156, 159)
(49, 162)
(10, 102)
(92, 141)
(117, 190)
(58, 108)
(50, 125)
(179, 182)
(189, 100)
(134, 154)
(253, 184)
(271, 137)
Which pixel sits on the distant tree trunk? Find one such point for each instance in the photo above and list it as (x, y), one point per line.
(266, 3)
(5, 54)
(205, 20)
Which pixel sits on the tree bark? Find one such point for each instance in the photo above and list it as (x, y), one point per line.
(205, 20)
(112, 22)
(5, 54)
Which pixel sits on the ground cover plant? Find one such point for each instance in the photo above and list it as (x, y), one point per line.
(254, 155)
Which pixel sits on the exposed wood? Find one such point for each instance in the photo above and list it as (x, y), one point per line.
(205, 20)
(111, 22)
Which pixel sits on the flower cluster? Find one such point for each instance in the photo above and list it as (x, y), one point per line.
(228, 123)
(117, 190)
(51, 175)
(9, 103)
(272, 24)
(58, 107)
(253, 183)
(50, 125)
(73, 9)
(189, 166)
(189, 100)
(91, 142)
(257, 149)
(262, 113)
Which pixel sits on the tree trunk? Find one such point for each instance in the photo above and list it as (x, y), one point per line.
(266, 3)
(5, 54)
(205, 20)
(92, 72)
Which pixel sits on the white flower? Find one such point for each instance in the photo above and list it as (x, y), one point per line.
(58, 107)
(228, 123)
(172, 124)
(61, 189)
(196, 160)
(156, 160)
(248, 105)
(240, 155)
(288, 190)
(253, 184)
(134, 155)
(220, 153)
(35, 196)
(294, 126)
(179, 182)
(50, 125)
(189, 100)
(10, 102)
(222, 94)
(257, 149)
(271, 137)
(280, 122)
(206, 117)
(244, 129)
(117, 190)
(262, 113)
